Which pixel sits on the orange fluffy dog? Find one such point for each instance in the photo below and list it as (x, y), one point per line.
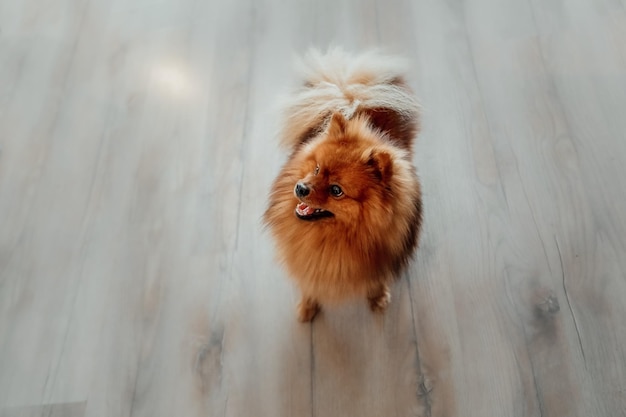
(346, 208)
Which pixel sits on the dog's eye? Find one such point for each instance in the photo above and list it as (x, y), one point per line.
(317, 170)
(336, 191)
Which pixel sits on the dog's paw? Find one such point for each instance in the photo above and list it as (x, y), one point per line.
(307, 310)
(379, 303)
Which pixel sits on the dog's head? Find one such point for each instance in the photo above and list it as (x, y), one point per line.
(343, 172)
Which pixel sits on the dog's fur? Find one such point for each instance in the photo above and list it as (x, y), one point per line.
(352, 125)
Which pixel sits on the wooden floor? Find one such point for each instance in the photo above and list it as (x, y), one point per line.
(137, 145)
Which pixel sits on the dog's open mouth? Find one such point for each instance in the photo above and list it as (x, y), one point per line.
(306, 212)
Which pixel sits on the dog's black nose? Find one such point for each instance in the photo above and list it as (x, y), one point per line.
(302, 190)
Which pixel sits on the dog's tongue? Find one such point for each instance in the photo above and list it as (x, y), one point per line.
(304, 210)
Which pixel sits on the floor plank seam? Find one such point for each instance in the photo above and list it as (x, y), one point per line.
(246, 120)
(226, 403)
(423, 391)
(312, 392)
(569, 305)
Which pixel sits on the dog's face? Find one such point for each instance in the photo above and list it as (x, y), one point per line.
(341, 175)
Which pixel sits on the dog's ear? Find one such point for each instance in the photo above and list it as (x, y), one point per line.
(381, 163)
(337, 125)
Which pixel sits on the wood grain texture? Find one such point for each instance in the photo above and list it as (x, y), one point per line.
(137, 146)
(48, 410)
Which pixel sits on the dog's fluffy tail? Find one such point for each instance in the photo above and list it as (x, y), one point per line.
(369, 83)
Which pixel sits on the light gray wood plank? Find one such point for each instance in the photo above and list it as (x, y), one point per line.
(460, 261)
(527, 112)
(589, 83)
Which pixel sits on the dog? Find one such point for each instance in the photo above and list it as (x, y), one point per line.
(345, 210)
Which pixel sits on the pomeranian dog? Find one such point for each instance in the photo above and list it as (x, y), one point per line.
(346, 208)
